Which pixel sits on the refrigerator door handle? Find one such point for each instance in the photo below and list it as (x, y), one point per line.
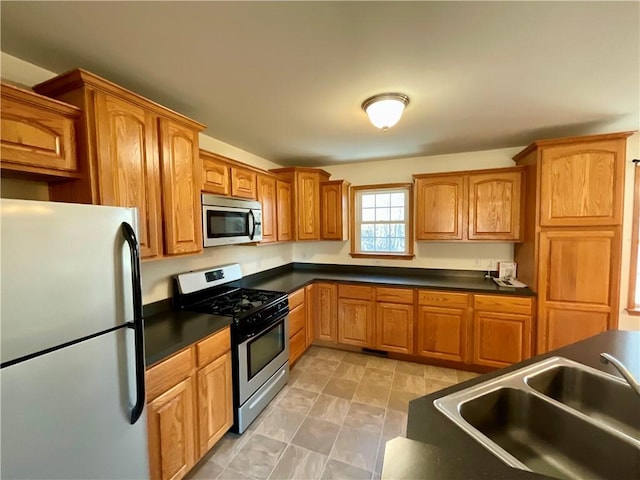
(137, 324)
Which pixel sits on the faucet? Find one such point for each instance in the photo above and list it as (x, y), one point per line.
(607, 358)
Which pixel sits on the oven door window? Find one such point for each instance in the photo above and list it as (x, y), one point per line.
(266, 347)
(221, 223)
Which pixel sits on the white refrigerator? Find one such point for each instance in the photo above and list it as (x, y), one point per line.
(72, 349)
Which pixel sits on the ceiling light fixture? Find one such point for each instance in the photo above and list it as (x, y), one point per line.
(385, 109)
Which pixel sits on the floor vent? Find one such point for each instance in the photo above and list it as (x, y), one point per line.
(378, 353)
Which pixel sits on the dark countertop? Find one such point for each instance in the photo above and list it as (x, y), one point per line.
(437, 448)
(167, 331)
(291, 277)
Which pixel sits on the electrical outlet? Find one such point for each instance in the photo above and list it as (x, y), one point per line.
(491, 264)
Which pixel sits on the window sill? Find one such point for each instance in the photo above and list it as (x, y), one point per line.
(387, 256)
(634, 312)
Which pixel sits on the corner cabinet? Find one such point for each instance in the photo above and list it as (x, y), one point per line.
(134, 153)
(306, 200)
(472, 205)
(189, 405)
(275, 196)
(37, 135)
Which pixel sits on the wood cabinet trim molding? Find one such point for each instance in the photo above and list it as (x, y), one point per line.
(79, 77)
(461, 173)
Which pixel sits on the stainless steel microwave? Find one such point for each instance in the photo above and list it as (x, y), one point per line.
(227, 221)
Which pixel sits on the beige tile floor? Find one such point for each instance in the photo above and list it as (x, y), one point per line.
(331, 421)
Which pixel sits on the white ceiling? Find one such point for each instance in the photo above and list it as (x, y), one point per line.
(285, 80)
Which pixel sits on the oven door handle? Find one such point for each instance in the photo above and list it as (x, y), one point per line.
(252, 223)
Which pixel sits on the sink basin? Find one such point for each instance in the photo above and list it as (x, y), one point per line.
(599, 396)
(555, 417)
(547, 439)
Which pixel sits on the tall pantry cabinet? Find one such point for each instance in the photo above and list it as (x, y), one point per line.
(134, 153)
(571, 252)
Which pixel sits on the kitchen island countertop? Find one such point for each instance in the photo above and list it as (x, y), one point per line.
(437, 448)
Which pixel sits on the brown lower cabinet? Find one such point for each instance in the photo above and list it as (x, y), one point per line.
(483, 330)
(297, 325)
(189, 405)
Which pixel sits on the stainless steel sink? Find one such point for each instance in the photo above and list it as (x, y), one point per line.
(598, 395)
(548, 418)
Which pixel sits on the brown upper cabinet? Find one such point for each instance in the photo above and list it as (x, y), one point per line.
(134, 153)
(275, 196)
(334, 198)
(216, 174)
(243, 183)
(37, 136)
(581, 183)
(572, 245)
(471, 205)
(306, 200)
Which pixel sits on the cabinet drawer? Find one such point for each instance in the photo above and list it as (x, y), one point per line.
(355, 291)
(503, 303)
(297, 346)
(442, 299)
(212, 347)
(296, 298)
(170, 372)
(296, 319)
(394, 295)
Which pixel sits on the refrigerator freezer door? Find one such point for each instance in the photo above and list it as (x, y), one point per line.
(65, 415)
(66, 273)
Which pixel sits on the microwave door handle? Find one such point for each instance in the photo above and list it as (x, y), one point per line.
(137, 323)
(253, 224)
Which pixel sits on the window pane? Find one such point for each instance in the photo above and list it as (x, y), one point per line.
(396, 245)
(368, 201)
(382, 244)
(367, 244)
(383, 199)
(382, 230)
(397, 199)
(368, 214)
(367, 230)
(382, 214)
(397, 213)
(397, 230)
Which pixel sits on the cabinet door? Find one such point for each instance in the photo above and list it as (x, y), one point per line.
(578, 285)
(326, 326)
(215, 402)
(581, 184)
(334, 210)
(171, 432)
(442, 333)
(36, 136)
(181, 186)
(216, 176)
(243, 183)
(310, 308)
(283, 206)
(440, 208)
(128, 165)
(355, 322)
(297, 345)
(495, 206)
(308, 199)
(500, 339)
(394, 327)
(267, 196)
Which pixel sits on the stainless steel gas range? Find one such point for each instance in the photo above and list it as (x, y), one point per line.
(259, 334)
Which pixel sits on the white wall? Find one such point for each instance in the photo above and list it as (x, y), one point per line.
(469, 256)
(156, 275)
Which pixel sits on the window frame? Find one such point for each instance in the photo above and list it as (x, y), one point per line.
(354, 224)
(633, 308)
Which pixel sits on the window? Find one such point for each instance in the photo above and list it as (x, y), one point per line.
(634, 271)
(382, 224)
